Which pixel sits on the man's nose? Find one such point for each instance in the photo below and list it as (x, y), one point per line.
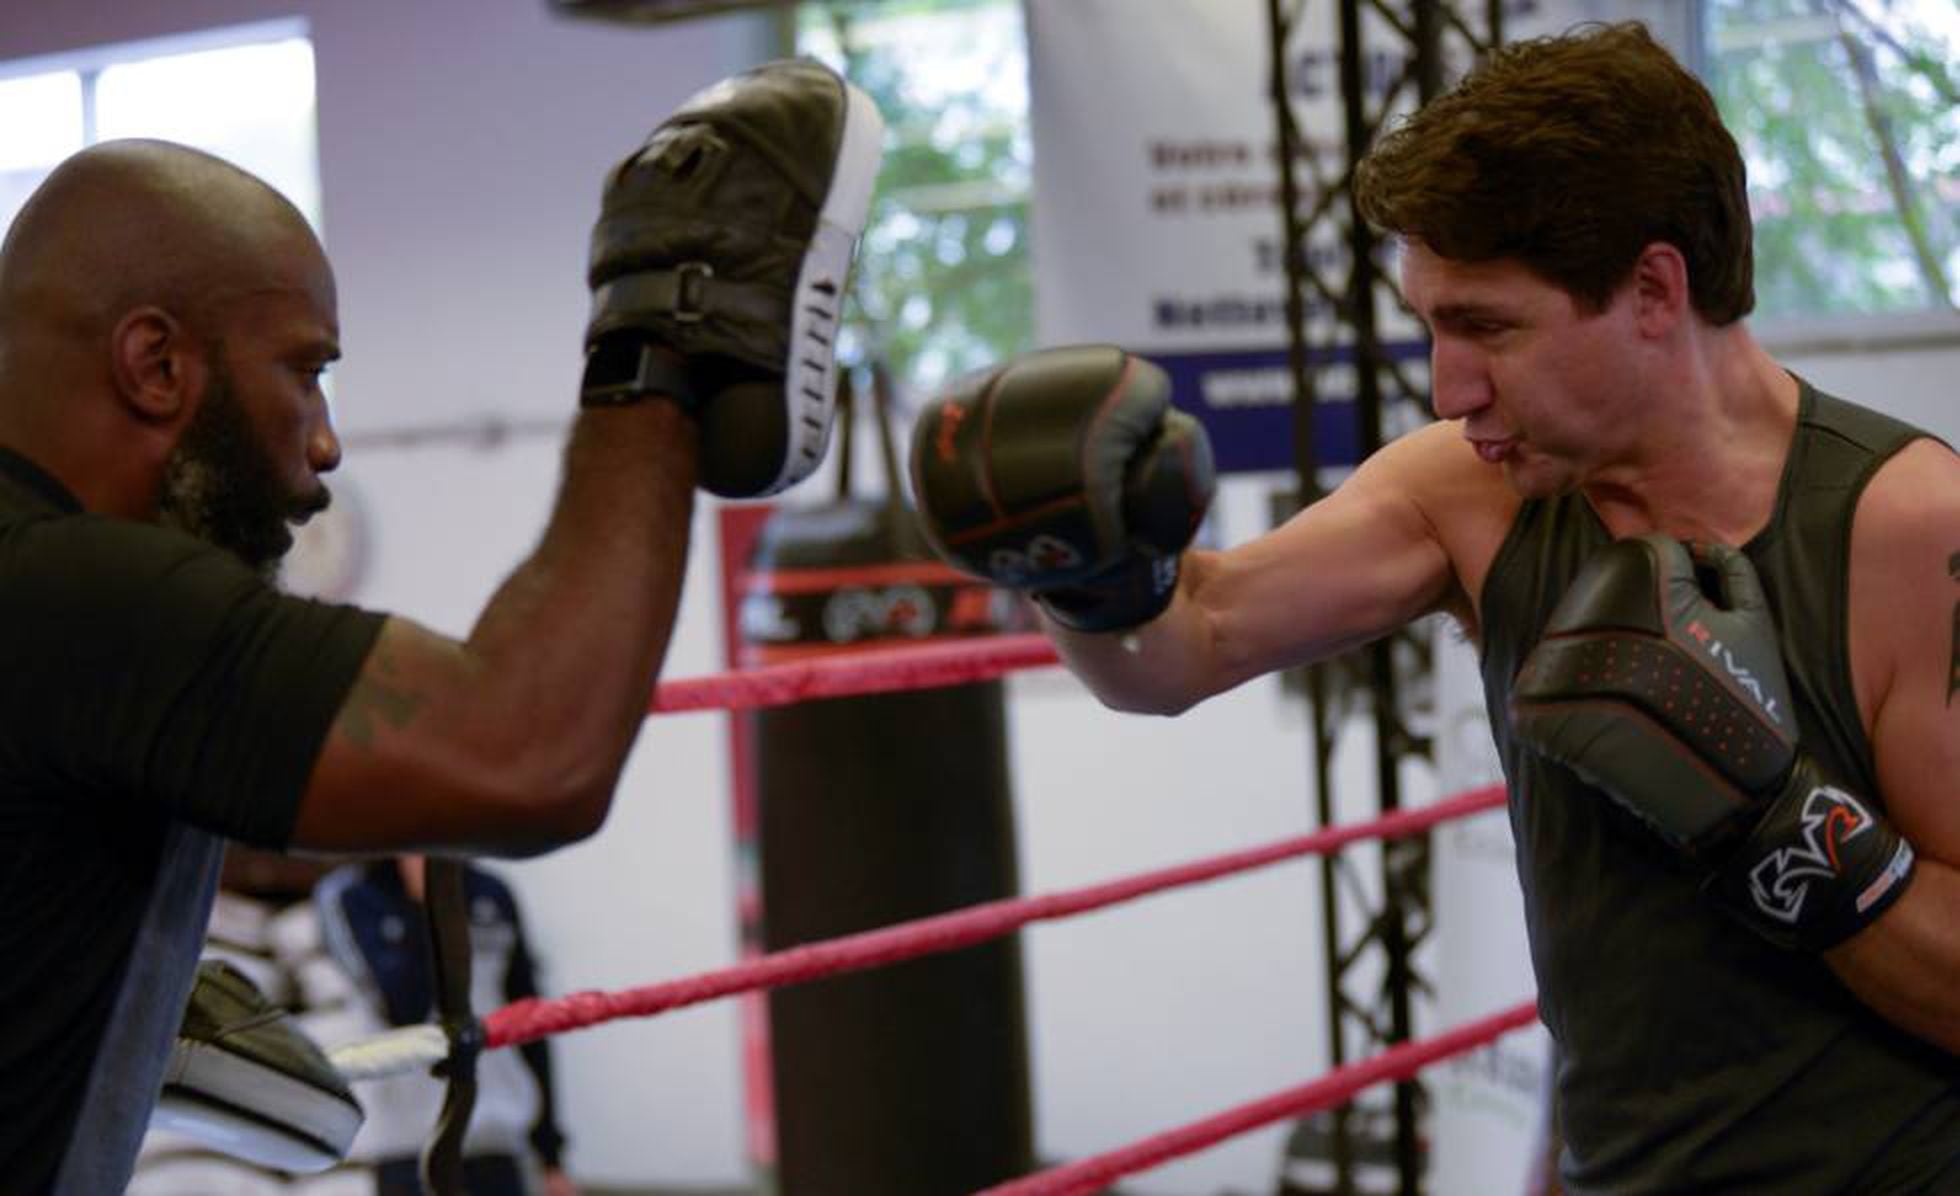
(1459, 383)
(323, 447)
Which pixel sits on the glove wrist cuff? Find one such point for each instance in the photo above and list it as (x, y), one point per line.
(1819, 866)
(1122, 598)
(622, 369)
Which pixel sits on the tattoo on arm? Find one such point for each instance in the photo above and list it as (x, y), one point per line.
(1953, 671)
(377, 698)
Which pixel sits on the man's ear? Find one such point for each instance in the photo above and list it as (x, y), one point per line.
(1661, 294)
(158, 367)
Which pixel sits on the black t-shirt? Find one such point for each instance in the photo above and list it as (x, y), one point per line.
(154, 693)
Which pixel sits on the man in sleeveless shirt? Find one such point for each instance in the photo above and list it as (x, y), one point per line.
(1615, 457)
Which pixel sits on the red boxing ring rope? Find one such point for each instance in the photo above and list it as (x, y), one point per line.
(945, 663)
(873, 670)
(1397, 1063)
(537, 1017)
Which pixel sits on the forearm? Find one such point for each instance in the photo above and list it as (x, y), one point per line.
(571, 644)
(510, 741)
(1903, 965)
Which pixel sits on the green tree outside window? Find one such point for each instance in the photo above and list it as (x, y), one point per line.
(1848, 114)
(943, 282)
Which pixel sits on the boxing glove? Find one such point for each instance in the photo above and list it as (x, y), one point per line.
(1659, 680)
(1065, 473)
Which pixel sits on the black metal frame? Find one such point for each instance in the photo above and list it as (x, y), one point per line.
(1371, 931)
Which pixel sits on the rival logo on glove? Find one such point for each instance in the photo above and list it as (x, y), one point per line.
(1740, 673)
(1779, 881)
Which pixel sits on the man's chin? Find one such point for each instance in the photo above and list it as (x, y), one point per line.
(264, 555)
(1532, 479)
(272, 555)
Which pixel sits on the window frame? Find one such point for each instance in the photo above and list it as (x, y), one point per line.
(89, 61)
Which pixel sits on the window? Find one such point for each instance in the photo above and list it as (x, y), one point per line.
(244, 93)
(943, 283)
(42, 114)
(1848, 114)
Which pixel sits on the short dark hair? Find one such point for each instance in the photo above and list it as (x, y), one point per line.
(1570, 155)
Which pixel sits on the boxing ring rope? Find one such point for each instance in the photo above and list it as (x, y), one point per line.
(923, 666)
(1399, 1062)
(391, 1053)
(536, 1017)
(927, 665)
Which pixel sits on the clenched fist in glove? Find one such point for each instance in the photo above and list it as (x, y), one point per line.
(1671, 698)
(1067, 474)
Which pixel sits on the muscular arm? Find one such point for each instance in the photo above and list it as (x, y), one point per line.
(510, 741)
(1906, 657)
(1350, 568)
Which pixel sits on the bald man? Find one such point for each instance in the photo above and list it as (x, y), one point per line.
(165, 319)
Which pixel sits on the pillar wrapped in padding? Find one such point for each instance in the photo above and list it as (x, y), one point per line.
(910, 1080)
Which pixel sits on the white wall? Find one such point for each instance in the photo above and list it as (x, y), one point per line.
(462, 144)
(1903, 365)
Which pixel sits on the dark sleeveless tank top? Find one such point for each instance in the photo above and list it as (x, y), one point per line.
(1692, 1055)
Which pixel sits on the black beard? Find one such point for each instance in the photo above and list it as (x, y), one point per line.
(220, 486)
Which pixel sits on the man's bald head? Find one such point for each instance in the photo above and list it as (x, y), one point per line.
(164, 318)
(126, 224)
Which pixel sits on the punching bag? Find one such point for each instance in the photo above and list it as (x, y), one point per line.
(912, 1079)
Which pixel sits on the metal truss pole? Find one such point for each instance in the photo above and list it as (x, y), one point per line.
(1364, 946)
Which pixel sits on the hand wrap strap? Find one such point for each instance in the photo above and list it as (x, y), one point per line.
(1817, 868)
(625, 368)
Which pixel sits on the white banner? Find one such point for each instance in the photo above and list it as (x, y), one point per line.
(1155, 216)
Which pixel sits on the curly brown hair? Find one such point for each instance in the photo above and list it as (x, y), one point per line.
(1570, 155)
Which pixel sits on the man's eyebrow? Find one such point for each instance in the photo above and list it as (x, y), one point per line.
(1466, 309)
(320, 348)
